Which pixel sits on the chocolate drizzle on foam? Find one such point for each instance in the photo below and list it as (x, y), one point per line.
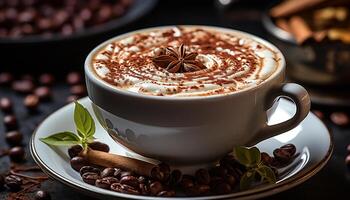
(231, 62)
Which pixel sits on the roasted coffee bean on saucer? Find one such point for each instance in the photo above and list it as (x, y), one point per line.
(10, 122)
(156, 187)
(202, 176)
(14, 138)
(124, 189)
(13, 183)
(85, 169)
(99, 146)
(42, 195)
(6, 105)
(109, 171)
(77, 163)
(130, 180)
(106, 182)
(90, 177)
(74, 150)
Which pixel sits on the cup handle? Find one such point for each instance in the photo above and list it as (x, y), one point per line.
(301, 99)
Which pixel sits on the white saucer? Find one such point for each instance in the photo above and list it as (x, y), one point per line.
(311, 137)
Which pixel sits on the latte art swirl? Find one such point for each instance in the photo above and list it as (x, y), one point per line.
(231, 62)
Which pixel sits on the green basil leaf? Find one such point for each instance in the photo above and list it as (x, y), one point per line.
(83, 121)
(61, 139)
(247, 156)
(247, 180)
(266, 173)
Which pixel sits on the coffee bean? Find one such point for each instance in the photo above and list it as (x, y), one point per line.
(165, 169)
(31, 102)
(266, 159)
(14, 138)
(155, 187)
(348, 148)
(71, 98)
(46, 79)
(16, 154)
(231, 180)
(202, 176)
(78, 90)
(90, 177)
(130, 180)
(42, 195)
(77, 163)
(13, 182)
(85, 169)
(142, 179)
(166, 193)
(118, 173)
(109, 171)
(187, 181)
(340, 118)
(74, 78)
(157, 174)
(105, 182)
(203, 189)
(99, 146)
(43, 92)
(144, 189)
(218, 171)
(222, 188)
(175, 177)
(74, 150)
(10, 122)
(6, 105)
(124, 189)
(23, 86)
(121, 174)
(5, 78)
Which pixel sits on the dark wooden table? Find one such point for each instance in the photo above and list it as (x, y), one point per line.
(332, 181)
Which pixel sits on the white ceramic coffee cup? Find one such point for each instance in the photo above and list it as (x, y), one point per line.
(193, 130)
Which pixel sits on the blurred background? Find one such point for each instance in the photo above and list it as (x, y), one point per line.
(43, 45)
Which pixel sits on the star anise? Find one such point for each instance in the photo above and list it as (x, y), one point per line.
(178, 60)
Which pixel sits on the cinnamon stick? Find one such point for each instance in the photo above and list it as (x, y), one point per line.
(291, 7)
(300, 30)
(125, 163)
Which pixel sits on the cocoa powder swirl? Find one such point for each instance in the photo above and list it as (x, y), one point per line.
(232, 62)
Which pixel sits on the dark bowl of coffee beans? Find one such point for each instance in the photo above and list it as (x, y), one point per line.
(61, 30)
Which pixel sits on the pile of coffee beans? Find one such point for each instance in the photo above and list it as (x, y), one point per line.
(20, 18)
(221, 179)
(34, 90)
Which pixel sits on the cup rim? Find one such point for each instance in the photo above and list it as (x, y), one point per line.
(92, 76)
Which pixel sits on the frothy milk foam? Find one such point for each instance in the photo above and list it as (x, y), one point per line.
(233, 62)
